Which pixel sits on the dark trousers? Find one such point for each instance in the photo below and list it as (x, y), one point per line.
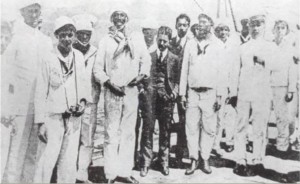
(154, 107)
(181, 136)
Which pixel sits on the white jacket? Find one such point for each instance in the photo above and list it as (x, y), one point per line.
(20, 65)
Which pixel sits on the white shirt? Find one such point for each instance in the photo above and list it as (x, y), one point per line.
(164, 54)
(182, 41)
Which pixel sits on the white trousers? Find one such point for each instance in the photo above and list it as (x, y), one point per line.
(62, 148)
(120, 122)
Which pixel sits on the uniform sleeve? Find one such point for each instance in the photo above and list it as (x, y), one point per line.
(184, 70)
(41, 93)
(7, 79)
(235, 72)
(99, 66)
(292, 75)
(145, 60)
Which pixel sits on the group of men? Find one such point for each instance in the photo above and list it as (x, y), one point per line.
(214, 80)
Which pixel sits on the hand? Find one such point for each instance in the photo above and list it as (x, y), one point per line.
(233, 101)
(79, 111)
(259, 61)
(296, 59)
(182, 103)
(114, 89)
(289, 97)
(43, 133)
(137, 80)
(7, 120)
(217, 104)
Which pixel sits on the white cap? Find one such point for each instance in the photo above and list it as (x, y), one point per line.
(62, 21)
(120, 6)
(25, 3)
(84, 22)
(150, 23)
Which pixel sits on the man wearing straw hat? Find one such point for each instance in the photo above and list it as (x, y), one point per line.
(60, 100)
(122, 63)
(21, 61)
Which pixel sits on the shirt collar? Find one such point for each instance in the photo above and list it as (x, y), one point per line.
(164, 53)
(67, 59)
(245, 39)
(183, 39)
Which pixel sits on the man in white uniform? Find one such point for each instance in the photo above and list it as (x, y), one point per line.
(254, 92)
(60, 101)
(199, 78)
(20, 64)
(122, 62)
(84, 29)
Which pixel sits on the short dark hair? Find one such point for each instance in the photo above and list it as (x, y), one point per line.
(65, 28)
(193, 28)
(166, 31)
(183, 16)
(202, 15)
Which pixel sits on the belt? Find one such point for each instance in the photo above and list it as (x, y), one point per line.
(201, 89)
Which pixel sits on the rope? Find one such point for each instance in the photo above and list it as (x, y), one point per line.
(198, 5)
(233, 18)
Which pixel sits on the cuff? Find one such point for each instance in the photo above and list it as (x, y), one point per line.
(39, 118)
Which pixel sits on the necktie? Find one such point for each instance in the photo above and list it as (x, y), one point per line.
(160, 57)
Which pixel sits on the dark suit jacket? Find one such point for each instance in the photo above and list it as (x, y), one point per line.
(172, 71)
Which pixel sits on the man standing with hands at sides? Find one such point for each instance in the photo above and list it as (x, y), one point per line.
(162, 91)
(60, 101)
(122, 63)
(177, 45)
(84, 30)
(20, 63)
(199, 78)
(254, 92)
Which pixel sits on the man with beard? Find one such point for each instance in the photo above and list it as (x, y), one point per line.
(84, 29)
(227, 113)
(199, 79)
(60, 101)
(177, 45)
(161, 91)
(254, 92)
(122, 63)
(20, 63)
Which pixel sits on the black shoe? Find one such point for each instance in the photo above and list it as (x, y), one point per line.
(144, 171)
(109, 181)
(240, 170)
(165, 170)
(127, 180)
(251, 170)
(206, 167)
(192, 168)
(79, 181)
(259, 169)
(229, 148)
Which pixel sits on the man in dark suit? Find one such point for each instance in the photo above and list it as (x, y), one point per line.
(177, 45)
(161, 89)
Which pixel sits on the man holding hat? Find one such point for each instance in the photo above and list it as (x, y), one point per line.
(122, 63)
(254, 92)
(20, 63)
(84, 29)
(60, 100)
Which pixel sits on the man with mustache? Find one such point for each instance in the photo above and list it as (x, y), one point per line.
(20, 63)
(60, 99)
(161, 91)
(84, 30)
(177, 45)
(122, 63)
(199, 82)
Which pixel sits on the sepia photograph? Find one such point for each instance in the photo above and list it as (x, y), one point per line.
(150, 91)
